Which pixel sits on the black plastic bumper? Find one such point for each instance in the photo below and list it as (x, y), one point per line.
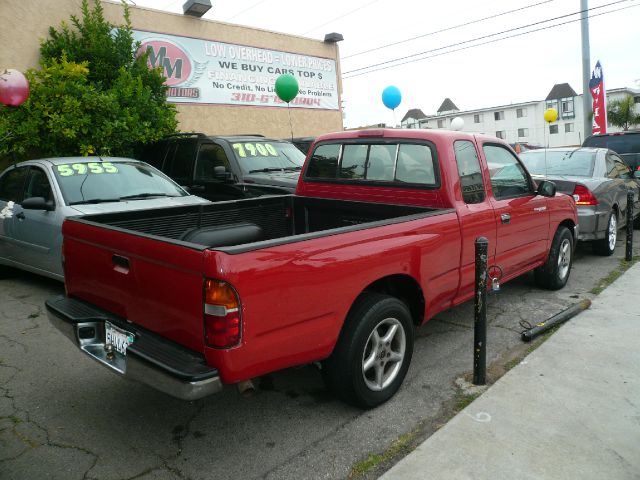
(150, 359)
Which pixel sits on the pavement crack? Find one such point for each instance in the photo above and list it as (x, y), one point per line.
(11, 341)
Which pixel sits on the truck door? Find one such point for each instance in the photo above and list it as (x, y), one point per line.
(214, 178)
(521, 216)
(11, 194)
(475, 214)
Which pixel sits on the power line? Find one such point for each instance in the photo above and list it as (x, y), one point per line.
(339, 17)
(245, 10)
(446, 29)
(482, 43)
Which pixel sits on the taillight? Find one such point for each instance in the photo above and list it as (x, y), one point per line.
(583, 196)
(222, 321)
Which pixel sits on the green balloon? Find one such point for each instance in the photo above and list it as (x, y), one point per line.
(286, 87)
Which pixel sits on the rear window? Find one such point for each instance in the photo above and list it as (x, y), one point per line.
(391, 163)
(575, 163)
(622, 144)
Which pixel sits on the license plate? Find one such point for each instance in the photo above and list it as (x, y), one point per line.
(117, 337)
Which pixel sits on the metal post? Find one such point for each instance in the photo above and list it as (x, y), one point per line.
(586, 68)
(629, 251)
(480, 316)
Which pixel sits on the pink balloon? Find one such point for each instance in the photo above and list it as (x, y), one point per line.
(14, 88)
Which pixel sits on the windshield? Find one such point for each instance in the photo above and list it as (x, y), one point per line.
(573, 163)
(94, 182)
(268, 156)
(622, 144)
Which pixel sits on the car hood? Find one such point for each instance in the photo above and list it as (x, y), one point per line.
(285, 180)
(142, 204)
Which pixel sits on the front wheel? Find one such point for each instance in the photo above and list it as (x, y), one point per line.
(607, 245)
(373, 352)
(554, 274)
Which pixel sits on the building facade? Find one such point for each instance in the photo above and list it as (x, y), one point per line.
(221, 76)
(522, 122)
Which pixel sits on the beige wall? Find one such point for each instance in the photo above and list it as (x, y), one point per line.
(26, 22)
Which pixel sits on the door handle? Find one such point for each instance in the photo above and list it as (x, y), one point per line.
(20, 216)
(120, 264)
(505, 218)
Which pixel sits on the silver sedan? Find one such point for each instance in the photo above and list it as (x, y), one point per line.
(598, 180)
(37, 195)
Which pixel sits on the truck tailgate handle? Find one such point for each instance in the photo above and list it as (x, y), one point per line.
(120, 263)
(505, 218)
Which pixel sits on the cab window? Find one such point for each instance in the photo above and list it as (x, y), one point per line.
(38, 185)
(12, 184)
(471, 182)
(508, 176)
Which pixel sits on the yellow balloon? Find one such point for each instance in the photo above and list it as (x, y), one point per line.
(550, 115)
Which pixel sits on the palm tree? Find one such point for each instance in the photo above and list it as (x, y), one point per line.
(621, 113)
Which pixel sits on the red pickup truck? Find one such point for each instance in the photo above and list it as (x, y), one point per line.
(378, 238)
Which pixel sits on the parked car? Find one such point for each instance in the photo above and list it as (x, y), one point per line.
(625, 144)
(598, 180)
(227, 167)
(37, 195)
(379, 237)
(303, 143)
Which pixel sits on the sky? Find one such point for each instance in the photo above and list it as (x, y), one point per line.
(511, 70)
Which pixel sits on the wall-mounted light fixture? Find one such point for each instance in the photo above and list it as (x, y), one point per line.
(333, 37)
(196, 8)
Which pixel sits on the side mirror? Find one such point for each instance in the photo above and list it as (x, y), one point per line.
(636, 174)
(37, 203)
(221, 172)
(546, 188)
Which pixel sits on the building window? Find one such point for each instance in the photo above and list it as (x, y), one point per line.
(477, 118)
(501, 134)
(440, 123)
(568, 127)
(553, 129)
(523, 132)
(566, 105)
(636, 99)
(498, 115)
(552, 104)
(521, 112)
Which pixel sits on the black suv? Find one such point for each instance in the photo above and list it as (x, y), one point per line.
(227, 167)
(625, 144)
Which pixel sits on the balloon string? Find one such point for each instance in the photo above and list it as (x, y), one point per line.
(290, 124)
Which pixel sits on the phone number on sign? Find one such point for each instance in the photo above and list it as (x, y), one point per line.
(253, 98)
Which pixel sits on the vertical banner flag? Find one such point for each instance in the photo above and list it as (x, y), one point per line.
(596, 85)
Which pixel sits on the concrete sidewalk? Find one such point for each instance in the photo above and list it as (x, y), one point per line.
(570, 410)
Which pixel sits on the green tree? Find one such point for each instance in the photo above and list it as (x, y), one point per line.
(621, 113)
(91, 95)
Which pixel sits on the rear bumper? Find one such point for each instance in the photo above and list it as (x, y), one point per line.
(150, 359)
(593, 224)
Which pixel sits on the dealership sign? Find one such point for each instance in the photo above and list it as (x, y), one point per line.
(203, 71)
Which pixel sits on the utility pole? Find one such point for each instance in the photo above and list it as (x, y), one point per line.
(586, 68)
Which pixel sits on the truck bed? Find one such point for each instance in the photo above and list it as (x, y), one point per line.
(240, 226)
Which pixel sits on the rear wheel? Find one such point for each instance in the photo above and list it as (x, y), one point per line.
(554, 274)
(373, 352)
(607, 245)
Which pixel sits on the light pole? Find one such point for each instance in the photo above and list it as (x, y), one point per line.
(586, 68)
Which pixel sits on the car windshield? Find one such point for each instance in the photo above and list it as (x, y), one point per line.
(98, 181)
(622, 144)
(574, 163)
(265, 156)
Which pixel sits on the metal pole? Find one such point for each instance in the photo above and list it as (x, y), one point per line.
(586, 68)
(480, 316)
(629, 251)
(557, 319)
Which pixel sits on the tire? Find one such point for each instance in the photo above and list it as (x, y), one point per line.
(362, 370)
(554, 274)
(607, 245)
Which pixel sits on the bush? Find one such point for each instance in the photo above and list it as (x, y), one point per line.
(91, 96)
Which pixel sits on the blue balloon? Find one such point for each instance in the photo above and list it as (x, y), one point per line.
(391, 97)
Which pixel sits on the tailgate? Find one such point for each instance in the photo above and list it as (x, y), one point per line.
(147, 281)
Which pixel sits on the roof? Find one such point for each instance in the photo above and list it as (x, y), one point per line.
(447, 105)
(561, 90)
(414, 113)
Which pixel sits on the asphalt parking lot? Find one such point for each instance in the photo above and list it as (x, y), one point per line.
(62, 416)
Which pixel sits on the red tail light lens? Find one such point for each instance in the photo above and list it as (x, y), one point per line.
(222, 320)
(583, 196)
